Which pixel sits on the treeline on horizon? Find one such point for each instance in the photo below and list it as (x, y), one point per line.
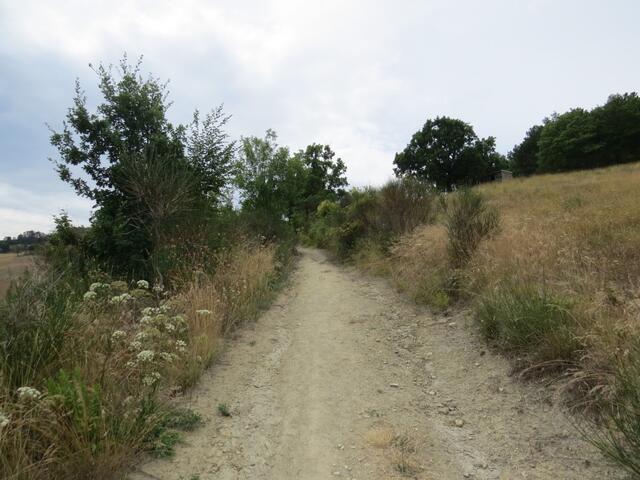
(23, 242)
(582, 139)
(448, 154)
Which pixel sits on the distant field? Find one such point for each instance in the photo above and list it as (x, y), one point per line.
(12, 265)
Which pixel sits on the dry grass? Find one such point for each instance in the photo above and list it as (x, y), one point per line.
(237, 290)
(12, 266)
(380, 437)
(575, 235)
(122, 362)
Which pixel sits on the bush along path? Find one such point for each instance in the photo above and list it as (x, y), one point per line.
(341, 378)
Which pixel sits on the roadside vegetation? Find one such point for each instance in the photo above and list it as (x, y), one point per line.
(547, 265)
(117, 319)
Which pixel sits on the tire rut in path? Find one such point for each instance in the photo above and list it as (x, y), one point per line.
(341, 378)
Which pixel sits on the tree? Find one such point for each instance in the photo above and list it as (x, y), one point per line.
(569, 142)
(107, 154)
(325, 176)
(447, 153)
(280, 186)
(272, 183)
(523, 159)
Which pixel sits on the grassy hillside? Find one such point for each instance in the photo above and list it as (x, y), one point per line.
(555, 286)
(572, 240)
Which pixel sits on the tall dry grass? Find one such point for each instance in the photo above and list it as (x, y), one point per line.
(125, 351)
(558, 287)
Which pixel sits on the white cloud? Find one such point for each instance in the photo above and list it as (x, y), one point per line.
(22, 209)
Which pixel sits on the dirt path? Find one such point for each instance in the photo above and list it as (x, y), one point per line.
(341, 378)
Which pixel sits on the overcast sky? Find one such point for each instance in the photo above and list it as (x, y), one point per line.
(362, 76)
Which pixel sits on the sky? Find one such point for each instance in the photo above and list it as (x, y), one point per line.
(362, 76)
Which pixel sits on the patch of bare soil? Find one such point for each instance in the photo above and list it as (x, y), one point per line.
(342, 378)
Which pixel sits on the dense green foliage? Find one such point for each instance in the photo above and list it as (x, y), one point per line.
(523, 159)
(280, 191)
(447, 153)
(144, 174)
(580, 139)
(372, 215)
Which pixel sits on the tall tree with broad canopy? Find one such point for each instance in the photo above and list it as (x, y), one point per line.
(326, 178)
(447, 153)
(130, 160)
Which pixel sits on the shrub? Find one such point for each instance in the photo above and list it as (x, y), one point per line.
(523, 320)
(34, 319)
(468, 220)
(620, 437)
(403, 204)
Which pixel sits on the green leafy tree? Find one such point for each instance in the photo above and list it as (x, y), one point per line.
(108, 154)
(272, 182)
(580, 139)
(325, 179)
(280, 187)
(447, 153)
(568, 142)
(523, 159)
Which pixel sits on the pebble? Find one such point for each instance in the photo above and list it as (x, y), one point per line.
(459, 422)
(394, 385)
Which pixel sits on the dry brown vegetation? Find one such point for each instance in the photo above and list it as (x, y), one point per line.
(11, 266)
(556, 287)
(576, 236)
(121, 361)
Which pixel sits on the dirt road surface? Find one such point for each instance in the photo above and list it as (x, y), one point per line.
(342, 378)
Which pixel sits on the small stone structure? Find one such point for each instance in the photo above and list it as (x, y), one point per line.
(499, 176)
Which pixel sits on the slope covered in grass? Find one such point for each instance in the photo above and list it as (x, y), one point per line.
(556, 286)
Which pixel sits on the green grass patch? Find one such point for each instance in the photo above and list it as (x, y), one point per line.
(524, 320)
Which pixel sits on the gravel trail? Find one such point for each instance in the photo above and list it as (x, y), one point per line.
(342, 378)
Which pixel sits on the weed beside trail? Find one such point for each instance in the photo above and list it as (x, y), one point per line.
(525, 320)
(86, 378)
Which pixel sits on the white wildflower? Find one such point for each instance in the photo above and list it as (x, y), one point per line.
(170, 327)
(28, 393)
(131, 364)
(148, 311)
(90, 295)
(158, 288)
(140, 336)
(146, 355)
(151, 379)
(143, 284)
(181, 346)
(146, 320)
(167, 357)
(203, 312)
(164, 308)
(4, 420)
(95, 286)
(125, 297)
(118, 335)
(135, 345)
